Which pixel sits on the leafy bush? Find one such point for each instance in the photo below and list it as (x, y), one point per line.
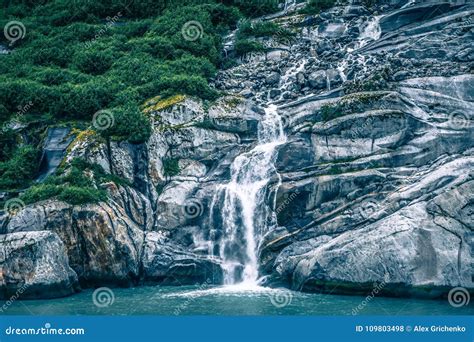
(77, 186)
(20, 169)
(93, 61)
(245, 46)
(75, 64)
(56, 76)
(52, 56)
(76, 195)
(247, 29)
(329, 112)
(7, 144)
(15, 94)
(259, 29)
(76, 61)
(254, 8)
(350, 104)
(41, 192)
(171, 167)
(184, 84)
(129, 124)
(83, 100)
(316, 6)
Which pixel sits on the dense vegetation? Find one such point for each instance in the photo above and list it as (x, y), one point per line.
(81, 57)
(80, 185)
(316, 6)
(248, 31)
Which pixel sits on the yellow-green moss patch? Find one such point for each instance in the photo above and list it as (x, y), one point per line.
(156, 104)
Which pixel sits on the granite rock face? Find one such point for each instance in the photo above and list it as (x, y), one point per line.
(375, 179)
(376, 174)
(35, 265)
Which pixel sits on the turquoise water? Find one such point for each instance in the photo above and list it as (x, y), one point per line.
(202, 300)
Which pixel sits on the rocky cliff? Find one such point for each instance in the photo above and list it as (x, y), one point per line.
(374, 182)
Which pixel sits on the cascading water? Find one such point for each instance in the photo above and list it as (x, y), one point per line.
(371, 32)
(243, 212)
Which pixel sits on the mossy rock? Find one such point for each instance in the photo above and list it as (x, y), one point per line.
(157, 103)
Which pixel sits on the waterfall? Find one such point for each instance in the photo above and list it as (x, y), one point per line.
(243, 211)
(371, 32)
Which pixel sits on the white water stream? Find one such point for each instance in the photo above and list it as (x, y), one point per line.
(243, 210)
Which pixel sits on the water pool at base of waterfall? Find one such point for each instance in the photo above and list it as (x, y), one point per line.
(226, 300)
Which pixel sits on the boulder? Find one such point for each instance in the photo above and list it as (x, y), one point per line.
(103, 244)
(168, 263)
(272, 78)
(35, 265)
(318, 79)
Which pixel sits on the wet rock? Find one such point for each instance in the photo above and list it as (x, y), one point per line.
(35, 265)
(103, 243)
(300, 78)
(274, 93)
(273, 78)
(167, 263)
(247, 93)
(318, 79)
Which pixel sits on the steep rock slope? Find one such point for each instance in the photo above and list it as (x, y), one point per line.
(375, 178)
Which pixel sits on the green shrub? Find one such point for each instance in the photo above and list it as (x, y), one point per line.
(245, 46)
(75, 62)
(129, 124)
(191, 65)
(15, 94)
(41, 192)
(50, 56)
(349, 104)
(81, 101)
(77, 186)
(258, 29)
(7, 144)
(247, 29)
(56, 76)
(316, 6)
(93, 61)
(135, 28)
(71, 194)
(255, 8)
(329, 112)
(180, 84)
(20, 169)
(76, 195)
(171, 167)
